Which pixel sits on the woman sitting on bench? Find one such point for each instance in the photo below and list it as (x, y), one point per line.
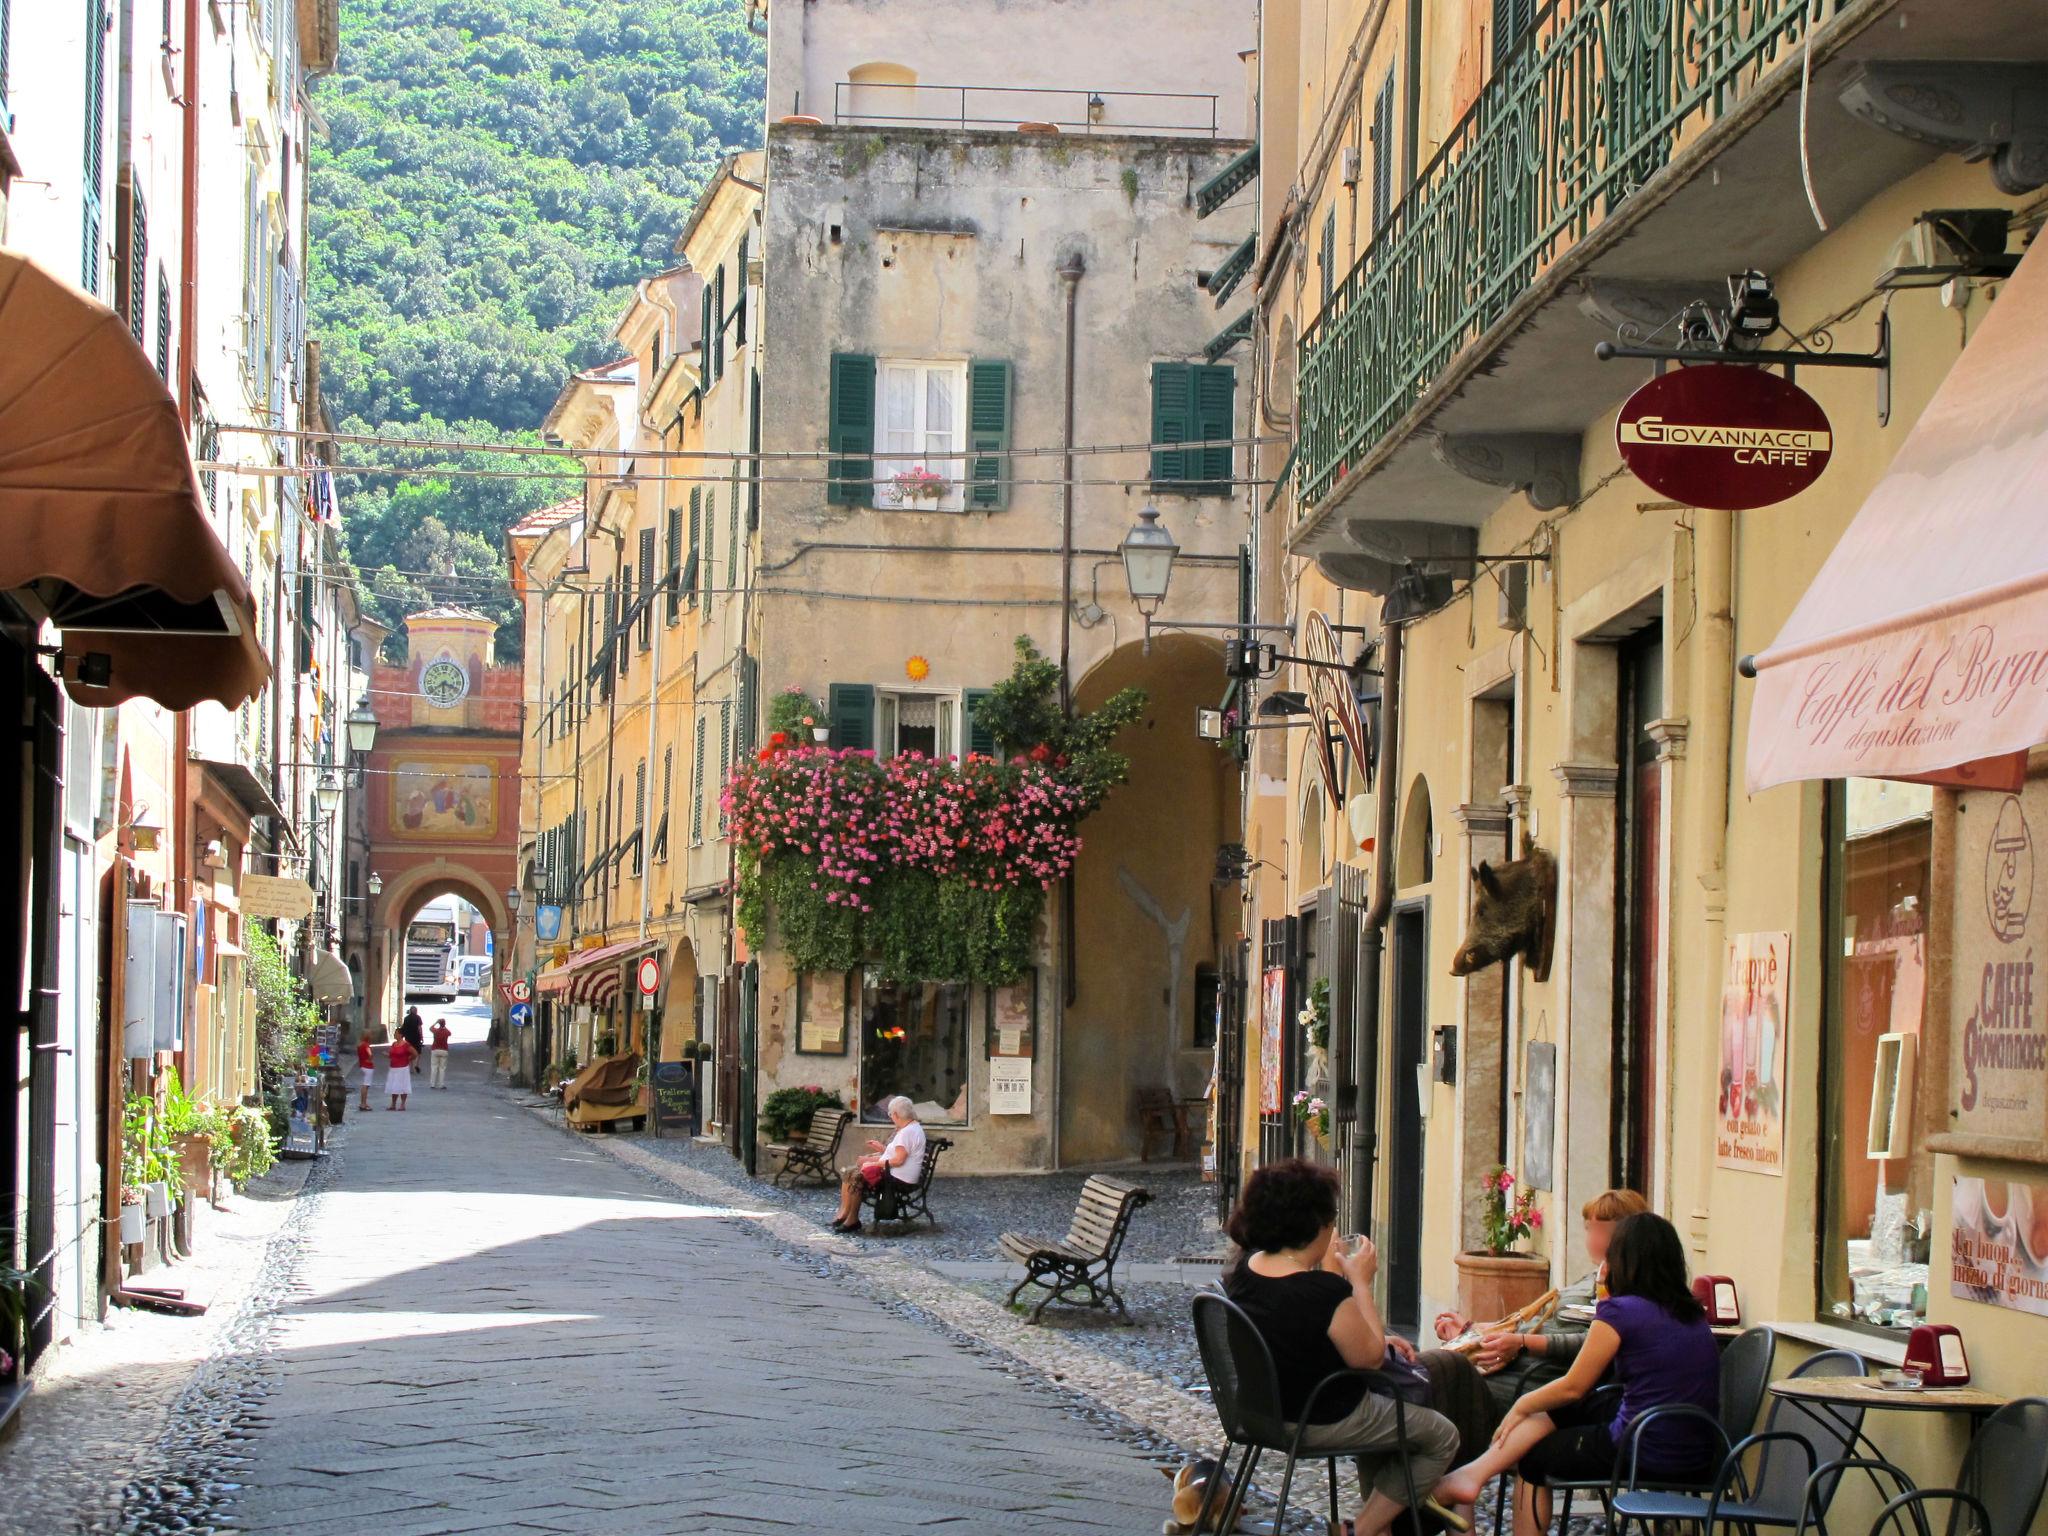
(901, 1160)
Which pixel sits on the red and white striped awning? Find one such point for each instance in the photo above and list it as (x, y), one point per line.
(594, 976)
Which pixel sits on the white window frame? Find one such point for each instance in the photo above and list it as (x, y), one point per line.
(949, 459)
(946, 732)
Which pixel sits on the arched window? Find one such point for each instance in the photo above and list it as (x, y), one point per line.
(1415, 860)
(1308, 841)
(881, 91)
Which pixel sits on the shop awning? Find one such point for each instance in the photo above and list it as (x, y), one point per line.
(1922, 646)
(331, 981)
(101, 525)
(594, 976)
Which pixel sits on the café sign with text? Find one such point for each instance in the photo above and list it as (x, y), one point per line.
(1725, 436)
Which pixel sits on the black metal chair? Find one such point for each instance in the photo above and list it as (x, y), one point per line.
(1245, 1386)
(2005, 1470)
(1801, 1454)
(1891, 1517)
(1745, 1378)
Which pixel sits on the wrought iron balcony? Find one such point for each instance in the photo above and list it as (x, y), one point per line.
(1597, 98)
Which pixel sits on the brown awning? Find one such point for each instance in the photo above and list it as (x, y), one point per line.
(1922, 645)
(101, 526)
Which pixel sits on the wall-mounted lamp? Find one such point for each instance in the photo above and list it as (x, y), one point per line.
(1148, 551)
(512, 898)
(362, 727)
(375, 883)
(327, 794)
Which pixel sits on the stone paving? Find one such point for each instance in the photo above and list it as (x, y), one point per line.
(489, 1325)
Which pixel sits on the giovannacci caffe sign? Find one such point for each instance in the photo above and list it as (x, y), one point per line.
(1723, 435)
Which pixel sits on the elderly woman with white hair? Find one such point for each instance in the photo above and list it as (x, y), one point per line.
(900, 1159)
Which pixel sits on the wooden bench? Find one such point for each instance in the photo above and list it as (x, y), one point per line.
(1085, 1259)
(912, 1200)
(817, 1154)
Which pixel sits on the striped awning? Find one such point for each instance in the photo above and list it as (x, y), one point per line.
(594, 976)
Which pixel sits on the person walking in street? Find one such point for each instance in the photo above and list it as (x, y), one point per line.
(398, 1075)
(366, 1068)
(413, 1031)
(437, 1063)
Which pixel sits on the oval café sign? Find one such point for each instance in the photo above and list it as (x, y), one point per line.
(1725, 436)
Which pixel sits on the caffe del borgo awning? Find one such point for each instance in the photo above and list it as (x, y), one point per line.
(102, 531)
(1921, 649)
(593, 976)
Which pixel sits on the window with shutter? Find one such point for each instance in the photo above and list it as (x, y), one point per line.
(135, 262)
(690, 566)
(709, 563)
(754, 448)
(639, 817)
(163, 324)
(1327, 257)
(697, 788)
(706, 306)
(732, 533)
(668, 784)
(1193, 402)
(739, 309)
(675, 563)
(95, 142)
(920, 423)
(850, 430)
(622, 621)
(647, 579)
(988, 432)
(717, 368)
(850, 709)
(724, 758)
(750, 682)
(981, 741)
(1511, 18)
(1383, 151)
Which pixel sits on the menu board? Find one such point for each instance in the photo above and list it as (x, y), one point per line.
(675, 1098)
(1998, 1038)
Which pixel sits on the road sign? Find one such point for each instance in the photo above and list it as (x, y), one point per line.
(648, 974)
(521, 1015)
(516, 991)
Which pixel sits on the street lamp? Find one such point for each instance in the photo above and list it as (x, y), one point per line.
(376, 883)
(512, 898)
(362, 727)
(1148, 551)
(327, 794)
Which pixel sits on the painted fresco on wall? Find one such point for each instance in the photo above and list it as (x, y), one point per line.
(444, 797)
(1998, 1039)
(1998, 1243)
(1272, 1024)
(1749, 1129)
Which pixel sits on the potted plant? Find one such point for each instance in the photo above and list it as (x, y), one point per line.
(1496, 1280)
(796, 717)
(200, 1135)
(786, 1113)
(919, 484)
(1315, 1027)
(252, 1143)
(1315, 1114)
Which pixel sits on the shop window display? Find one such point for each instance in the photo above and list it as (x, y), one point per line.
(1879, 1184)
(913, 1042)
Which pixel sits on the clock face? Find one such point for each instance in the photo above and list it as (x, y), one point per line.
(444, 682)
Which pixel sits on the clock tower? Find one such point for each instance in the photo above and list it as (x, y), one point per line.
(448, 660)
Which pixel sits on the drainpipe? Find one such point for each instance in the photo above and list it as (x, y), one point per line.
(611, 737)
(1373, 935)
(1070, 274)
(1712, 714)
(188, 236)
(653, 711)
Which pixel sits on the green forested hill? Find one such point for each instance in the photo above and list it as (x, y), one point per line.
(494, 176)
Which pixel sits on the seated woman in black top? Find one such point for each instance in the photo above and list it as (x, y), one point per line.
(1316, 1313)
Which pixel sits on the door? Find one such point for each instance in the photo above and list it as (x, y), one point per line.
(748, 987)
(1639, 869)
(1401, 1251)
(1279, 1038)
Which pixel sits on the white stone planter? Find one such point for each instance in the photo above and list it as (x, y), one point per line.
(157, 1199)
(134, 1224)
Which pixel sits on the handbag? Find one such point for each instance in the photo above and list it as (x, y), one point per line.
(888, 1201)
(1401, 1377)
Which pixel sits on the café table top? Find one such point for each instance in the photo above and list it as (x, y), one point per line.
(1864, 1392)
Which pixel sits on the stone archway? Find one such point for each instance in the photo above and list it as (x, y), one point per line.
(403, 897)
(1149, 923)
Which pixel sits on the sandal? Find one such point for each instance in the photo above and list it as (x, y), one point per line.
(1449, 1516)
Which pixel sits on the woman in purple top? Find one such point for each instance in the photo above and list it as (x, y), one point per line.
(1662, 1350)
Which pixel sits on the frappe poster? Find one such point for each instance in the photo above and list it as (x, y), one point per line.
(1998, 1243)
(1750, 1112)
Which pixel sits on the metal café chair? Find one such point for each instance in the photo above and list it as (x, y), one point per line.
(1800, 1456)
(2005, 1470)
(1745, 1378)
(1245, 1386)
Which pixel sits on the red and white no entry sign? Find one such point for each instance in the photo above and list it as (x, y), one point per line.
(649, 976)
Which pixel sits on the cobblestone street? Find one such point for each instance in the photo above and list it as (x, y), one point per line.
(488, 1327)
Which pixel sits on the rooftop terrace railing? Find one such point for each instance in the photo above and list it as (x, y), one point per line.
(1077, 109)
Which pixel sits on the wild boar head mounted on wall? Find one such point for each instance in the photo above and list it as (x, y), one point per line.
(1514, 912)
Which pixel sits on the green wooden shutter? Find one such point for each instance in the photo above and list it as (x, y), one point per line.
(697, 786)
(675, 563)
(1328, 254)
(1173, 419)
(988, 431)
(647, 583)
(851, 709)
(754, 448)
(137, 285)
(851, 430)
(688, 581)
(95, 142)
(709, 563)
(981, 741)
(718, 324)
(750, 684)
(732, 533)
(1383, 147)
(707, 305)
(1511, 18)
(1215, 391)
(739, 308)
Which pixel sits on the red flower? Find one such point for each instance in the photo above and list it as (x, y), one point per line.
(1040, 753)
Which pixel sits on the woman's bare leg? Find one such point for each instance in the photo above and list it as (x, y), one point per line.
(1464, 1485)
(1378, 1513)
(1532, 1508)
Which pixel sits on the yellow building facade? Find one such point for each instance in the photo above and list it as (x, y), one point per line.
(1456, 208)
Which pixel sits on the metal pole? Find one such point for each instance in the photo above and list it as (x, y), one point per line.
(1373, 939)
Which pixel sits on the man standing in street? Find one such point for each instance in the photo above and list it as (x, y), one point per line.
(437, 1074)
(413, 1031)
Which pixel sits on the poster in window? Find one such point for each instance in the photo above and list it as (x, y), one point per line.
(1998, 1038)
(1749, 1124)
(1998, 1243)
(1013, 1017)
(1272, 1037)
(1009, 1085)
(822, 1003)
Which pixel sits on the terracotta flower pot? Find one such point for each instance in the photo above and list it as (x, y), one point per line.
(1493, 1285)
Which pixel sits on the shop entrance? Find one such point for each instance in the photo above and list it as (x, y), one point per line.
(1405, 1086)
(1639, 860)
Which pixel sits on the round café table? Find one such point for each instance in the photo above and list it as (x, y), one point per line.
(1834, 1396)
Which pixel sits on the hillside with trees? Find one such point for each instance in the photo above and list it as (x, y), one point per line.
(494, 176)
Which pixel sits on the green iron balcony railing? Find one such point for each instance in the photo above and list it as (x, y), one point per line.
(1594, 101)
